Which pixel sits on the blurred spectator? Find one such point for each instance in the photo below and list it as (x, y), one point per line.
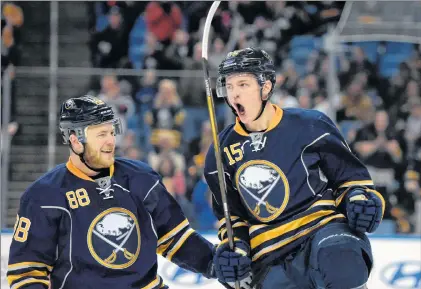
(415, 61)
(147, 91)
(172, 178)
(156, 57)
(403, 225)
(304, 99)
(123, 105)
(165, 149)
(128, 141)
(134, 153)
(289, 79)
(407, 198)
(9, 59)
(360, 63)
(12, 20)
(194, 99)
(398, 84)
(178, 47)
(378, 146)
(195, 12)
(311, 84)
(202, 203)
(283, 99)
(321, 103)
(412, 127)
(261, 33)
(167, 114)
(217, 53)
(195, 157)
(13, 16)
(250, 10)
(144, 101)
(163, 19)
(110, 45)
(355, 104)
(400, 109)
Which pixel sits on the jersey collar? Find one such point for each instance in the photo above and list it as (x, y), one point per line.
(273, 123)
(78, 173)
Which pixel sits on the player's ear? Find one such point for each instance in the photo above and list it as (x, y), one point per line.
(75, 143)
(267, 86)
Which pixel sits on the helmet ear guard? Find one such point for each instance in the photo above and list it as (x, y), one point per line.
(77, 131)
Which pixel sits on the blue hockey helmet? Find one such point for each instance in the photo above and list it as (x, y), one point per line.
(249, 60)
(76, 114)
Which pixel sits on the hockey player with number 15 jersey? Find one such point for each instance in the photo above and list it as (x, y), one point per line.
(300, 201)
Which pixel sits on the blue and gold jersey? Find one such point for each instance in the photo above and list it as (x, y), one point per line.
(74, 232)
(284, 184)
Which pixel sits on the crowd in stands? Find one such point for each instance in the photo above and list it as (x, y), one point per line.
(11, 21)
(377, 106)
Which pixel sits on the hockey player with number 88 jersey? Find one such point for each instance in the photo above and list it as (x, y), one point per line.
(300, 201)
(99, 222)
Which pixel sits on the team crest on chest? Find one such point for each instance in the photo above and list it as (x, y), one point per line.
(264, 188)
(257, 142)
(114, 238)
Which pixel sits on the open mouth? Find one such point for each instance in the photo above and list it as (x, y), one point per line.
(107, 151)
(240, 109)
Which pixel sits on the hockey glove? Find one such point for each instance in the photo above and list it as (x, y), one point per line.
(231, 266)
(364, 210)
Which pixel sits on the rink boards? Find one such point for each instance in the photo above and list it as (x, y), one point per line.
(398, 265)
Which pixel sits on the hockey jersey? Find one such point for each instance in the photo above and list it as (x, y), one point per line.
(74, 232)
(285, 183)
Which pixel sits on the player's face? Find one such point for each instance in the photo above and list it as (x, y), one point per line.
(100, 146)
(243, 93)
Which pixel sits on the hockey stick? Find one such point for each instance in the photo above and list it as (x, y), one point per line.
(214, 127)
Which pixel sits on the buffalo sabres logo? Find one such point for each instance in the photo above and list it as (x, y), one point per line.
(264, 188)
(114, 238)
(70, 104)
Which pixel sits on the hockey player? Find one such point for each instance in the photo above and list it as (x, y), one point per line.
(300, 201)
(98, 222)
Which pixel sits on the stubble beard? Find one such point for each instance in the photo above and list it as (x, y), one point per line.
(96, 160)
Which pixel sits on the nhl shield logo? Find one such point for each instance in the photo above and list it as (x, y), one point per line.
(264, 188)
(114, 238)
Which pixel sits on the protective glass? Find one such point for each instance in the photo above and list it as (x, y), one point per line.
(221, 83)
(117, 126)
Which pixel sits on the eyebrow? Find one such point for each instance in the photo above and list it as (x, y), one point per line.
(104, 131)
(238, 81)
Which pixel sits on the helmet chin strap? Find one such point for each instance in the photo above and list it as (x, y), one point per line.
(82, 158)
(263, 104)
